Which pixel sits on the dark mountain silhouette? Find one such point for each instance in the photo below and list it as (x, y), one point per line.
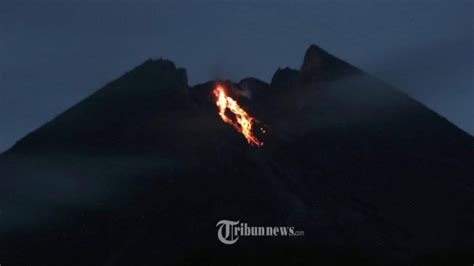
(140, 172)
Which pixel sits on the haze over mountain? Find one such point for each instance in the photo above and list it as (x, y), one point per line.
(140, 172)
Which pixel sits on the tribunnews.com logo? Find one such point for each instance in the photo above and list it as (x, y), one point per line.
(229, 232)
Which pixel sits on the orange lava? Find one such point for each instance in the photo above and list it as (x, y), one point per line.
(243, 121)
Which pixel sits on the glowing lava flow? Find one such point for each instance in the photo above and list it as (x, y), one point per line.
(244, 122)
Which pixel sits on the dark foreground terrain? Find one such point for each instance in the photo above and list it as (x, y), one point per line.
(140, 172)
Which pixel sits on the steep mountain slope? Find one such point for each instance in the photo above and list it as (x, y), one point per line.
(141, 171)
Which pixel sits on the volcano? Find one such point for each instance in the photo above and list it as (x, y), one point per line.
(141, 171)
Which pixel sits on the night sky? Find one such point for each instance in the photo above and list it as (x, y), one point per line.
(55, 53)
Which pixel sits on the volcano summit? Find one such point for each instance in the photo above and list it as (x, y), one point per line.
(140, 172)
